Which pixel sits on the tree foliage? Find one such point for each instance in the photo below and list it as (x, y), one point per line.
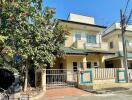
(29, 31)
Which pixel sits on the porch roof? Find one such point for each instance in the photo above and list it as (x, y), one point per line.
(85, 51)
(120, 54)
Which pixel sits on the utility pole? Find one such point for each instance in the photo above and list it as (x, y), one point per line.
(123, 28)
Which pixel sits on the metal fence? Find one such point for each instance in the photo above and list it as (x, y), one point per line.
(104, 73)
(56, 78)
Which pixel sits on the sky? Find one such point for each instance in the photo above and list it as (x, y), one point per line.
(105, 12)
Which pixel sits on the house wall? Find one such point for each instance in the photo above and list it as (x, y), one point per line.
(96, 58)
(71, 59)
(70, 39)
(82, 44)
(115, 40)
(80, 18)
(92, 58)
(129, 45)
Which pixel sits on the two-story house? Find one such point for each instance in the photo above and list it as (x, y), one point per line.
(93, 48)
(84, 46)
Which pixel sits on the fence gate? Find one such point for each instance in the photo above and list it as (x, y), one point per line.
(60, 78)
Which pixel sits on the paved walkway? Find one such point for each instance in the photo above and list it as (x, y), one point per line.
(76, 94)
(63, 92)
(97, 97)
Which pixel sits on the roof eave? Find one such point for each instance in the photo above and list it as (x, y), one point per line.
(99, 26)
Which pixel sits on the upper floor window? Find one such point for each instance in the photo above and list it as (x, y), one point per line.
(77, 37)
(91, 39)
(111, 45)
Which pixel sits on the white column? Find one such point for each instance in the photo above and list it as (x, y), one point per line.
(84, 62)
(44, 79)
(122, 66)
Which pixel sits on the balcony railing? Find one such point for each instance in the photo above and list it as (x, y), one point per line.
(92, 45)
(84, 45)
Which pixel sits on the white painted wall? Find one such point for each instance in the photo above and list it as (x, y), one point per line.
(80, 18)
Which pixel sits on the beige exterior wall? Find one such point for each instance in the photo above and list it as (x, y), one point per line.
(96, 58)
(90, 58)
(71, 59)
(82, 44)
(115, 39)
(69, 41)
(129, 45)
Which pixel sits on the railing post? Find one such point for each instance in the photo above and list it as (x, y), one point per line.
(121, 75)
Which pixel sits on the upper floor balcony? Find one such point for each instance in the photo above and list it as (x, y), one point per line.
(80, 44)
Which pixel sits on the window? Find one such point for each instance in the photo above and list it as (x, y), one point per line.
(95, 64)
(88, 64)
(111, 45)
(130, 66)
(74, 66)
(77, 37)
(91, 39)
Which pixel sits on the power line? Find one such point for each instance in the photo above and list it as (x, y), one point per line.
(126, 6)
(129, 17)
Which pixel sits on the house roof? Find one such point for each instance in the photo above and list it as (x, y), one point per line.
(115, 27)
(120, 54)
(67, 21)
(85, 51)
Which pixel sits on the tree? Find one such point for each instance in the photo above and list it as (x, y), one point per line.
(29, 32)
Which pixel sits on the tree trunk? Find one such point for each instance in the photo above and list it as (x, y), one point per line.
(26, 78)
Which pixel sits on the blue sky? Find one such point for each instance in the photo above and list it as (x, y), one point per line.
(105, 12)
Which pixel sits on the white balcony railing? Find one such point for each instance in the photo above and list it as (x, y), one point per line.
(84, 45)
(92, 45)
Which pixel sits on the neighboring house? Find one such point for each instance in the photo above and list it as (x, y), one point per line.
(112, 35)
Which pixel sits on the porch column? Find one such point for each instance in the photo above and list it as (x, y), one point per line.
(102, 62)
(122, 66)
(84, 62)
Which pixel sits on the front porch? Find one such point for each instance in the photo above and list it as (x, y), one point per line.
(78, 61)
(75, 70)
